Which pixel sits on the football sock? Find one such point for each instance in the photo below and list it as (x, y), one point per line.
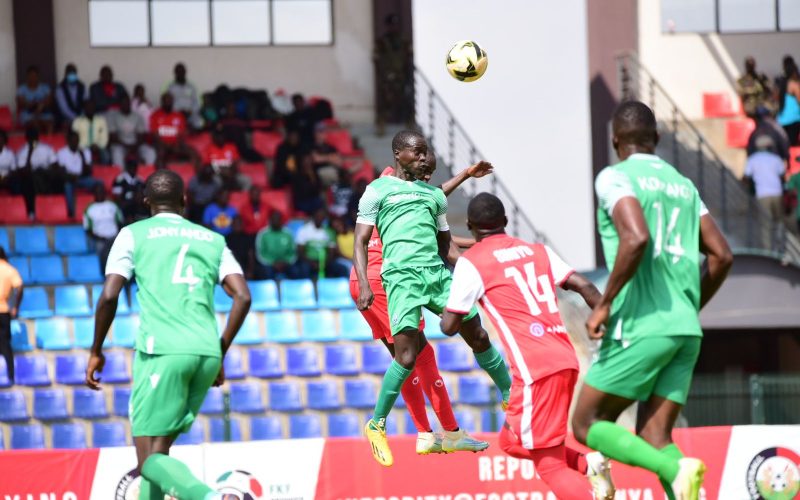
(390, 389)
(433, 385)
(618, 443)
(671, 451)
(576, 460)
(173, 478)
(415, 401)
(149, 491)
(566, 483)
(491, 361)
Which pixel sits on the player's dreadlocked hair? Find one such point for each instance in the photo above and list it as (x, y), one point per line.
(635, 123)
(401, 139)
(486, 211)
(164, 187)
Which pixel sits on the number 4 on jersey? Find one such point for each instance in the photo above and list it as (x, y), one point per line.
(530, 289)
(178, 278)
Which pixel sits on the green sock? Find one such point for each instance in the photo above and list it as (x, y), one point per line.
(618, 443)
(390, 389)
(491, 361)
(670, 451)
(149, 491)
(173, 478)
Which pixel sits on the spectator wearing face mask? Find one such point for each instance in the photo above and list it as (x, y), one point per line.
(70, 95)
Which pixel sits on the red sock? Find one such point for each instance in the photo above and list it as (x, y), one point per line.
(434, 388)
(576, 460)
(415, 401)
(566, 483)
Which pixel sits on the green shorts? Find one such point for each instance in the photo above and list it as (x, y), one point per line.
(646, 366)
(408, 290)
(168, 390)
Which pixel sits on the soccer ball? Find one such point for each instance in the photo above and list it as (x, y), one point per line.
(241, 484)
(467, 61)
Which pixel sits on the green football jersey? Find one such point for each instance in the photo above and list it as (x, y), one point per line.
(663, 297)
(408, 215)
(176, 264)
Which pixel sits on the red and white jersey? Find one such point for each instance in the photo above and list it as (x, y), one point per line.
(374, 249)
(515, 283)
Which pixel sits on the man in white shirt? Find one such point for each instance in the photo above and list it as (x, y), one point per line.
(8, 161)
(102, 221)
(128, 131)
(77, 168)
(37, 170)
(315, 244)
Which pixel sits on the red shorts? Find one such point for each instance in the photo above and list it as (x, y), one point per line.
(377, 315)
(537, 414)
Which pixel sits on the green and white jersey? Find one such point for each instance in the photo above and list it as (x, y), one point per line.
(177, 264)
(408, 215)
(663, 297)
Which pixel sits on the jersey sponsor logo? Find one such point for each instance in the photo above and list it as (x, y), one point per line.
(183, 232)
(513, 253)
(373, 243)
(537, 329)
(774, 474)
(671, 189)
(396, 198)
(556, 329)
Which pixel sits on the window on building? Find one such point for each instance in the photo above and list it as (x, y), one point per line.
(729, 16)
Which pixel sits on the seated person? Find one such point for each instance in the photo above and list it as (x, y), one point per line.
(288, 156)
(92, 129)
(218, 215)
(241, 246)
(141, 105)
(8, 161)
(102, 221)
(224, 158)
(326, 158)
(276, 252)
(186, 97)
(306, 189)
(302, 120)
(343, 253)
(200, 192)
(754, 89)
(168, 128)
(37, 170)
(33, 102)
(70, 95)
(342, 195)
(126, 186)
(254, 213)
(106, 94)
(76, 165)
(316, 244)
(127, 135)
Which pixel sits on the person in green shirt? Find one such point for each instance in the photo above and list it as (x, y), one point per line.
(276, 251)
(316, 248)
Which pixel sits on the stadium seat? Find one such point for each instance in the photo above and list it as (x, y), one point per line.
(124, 331)
(234, 369)
(51, 209)
(341, 359)
(222, 301)
(282, 327)
(334, 293)
(35, 304)
(486, 420)
(257, 172)
(70, 240)
(84, 268)
(5, 241)
(266, 427)
(31, 241)
(718, 105)
(284, 396)
(466, 420)
(432, 330)
(264, 295)
(72, 300)
(265, 363)
(246, 397)
(195, 435)
(82, 200)
(217, 430)
(266, 142)
(116, 369)
(185, 170)
(4, 380)
(343, 425)
(31, 370)
(737, 132)
(392, 426)
(454, 356)
(375, 358)
(27, 437)
(107, 175)
(87, 403)
(353, 326)
(200, 142)
(83, 331)
(49, 404)
(318, 326)
(146, 171)
(123, 307)
(52, 334)
(250, 332)
(341, 140)
(47, 269)
(14, 211)
(13, 407)
(360, 393)
(55, 141)
(122, 397)
(294, 225)
(304, 426)
(70, 436)
(303, 362)
(20, 263)
(6, 118)
(71, 369)
(297, 294)
(20, 342)
(213, 404)
(473, 390)
(323, 395)
(109, 434)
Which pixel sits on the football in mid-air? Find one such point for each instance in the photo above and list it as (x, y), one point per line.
(467, 61)
(240, 483)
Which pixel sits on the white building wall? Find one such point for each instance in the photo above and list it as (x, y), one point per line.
(8, 68)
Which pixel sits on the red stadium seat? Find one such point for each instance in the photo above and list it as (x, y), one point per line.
(16, 141)
(737, 132)
(278, 199)
(145, 171)
(718, 105)
(6, 118)
(257, 173)
(266, 142)
(199, 142)
(342, 140)
(51, 209)
(794, 162)
(82, 200)
(107, 174)
(262, 124)
(239, 199)
(366, 172)
(55, 141)
(13, 211)
(185, 170)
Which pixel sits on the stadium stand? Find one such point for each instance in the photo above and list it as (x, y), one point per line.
(305, 426)
(69, 435)
(27, 437)
(108, 434)
(266, 427)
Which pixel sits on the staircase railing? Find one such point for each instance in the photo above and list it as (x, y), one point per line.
(744, 222)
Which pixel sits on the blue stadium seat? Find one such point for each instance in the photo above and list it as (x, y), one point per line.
(35, 304)
(84, 268)
(360, 393)
(392, 426)
(341, 359)
(265, 362)
(123, 307)
(323, 395)
(246, 397)
(375, 358)
(297, 294)
(71, 369)
(294, 225)
(486, 420)
(409, 423)
(432, 330)
(124, 331)
(71, 436)
(116, 369)
(70, 240)
(217, 430)
(109, 434)
(305, 426)
(303, 362)
(5, 242)
(13, 407)
(52, 334)
(87, 403)
(353, 326)
(222, 302)
(473, 390)
(250, 332)
(266, 427)
(284, 396)
(72, 300)
(264, 295)
(122, 398)
(22, 267)
(213, 403)
(4, 380)
(234, 369)
(466, 420)
(454, 357)
(31, 241)
(27, 437)
(47, 269)
(343, 425)
(282, 327)
(334, 293)
(319, 326)
(195, 435)
(134, 289)
(20, 342)
(31, 370)
(49, 404)
(83, 331)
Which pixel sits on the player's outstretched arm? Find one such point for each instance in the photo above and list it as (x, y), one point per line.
(104, 316)
(462, 242)
(719, 258)
(236, 288)
(478, 170)
(580, 284)
(361, 238)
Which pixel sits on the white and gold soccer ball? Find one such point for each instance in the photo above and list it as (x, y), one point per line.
(467, 61)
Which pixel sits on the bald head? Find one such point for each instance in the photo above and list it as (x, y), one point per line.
(486, 215)
(406, 139)
(634, 124)
(164, 189)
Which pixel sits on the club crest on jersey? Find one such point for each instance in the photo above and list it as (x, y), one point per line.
(537, 329)
(395, 319)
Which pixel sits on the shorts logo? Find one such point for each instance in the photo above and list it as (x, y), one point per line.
(537, 329)
(415, 381)
(774, 474)
(395, 319)
(439, 383)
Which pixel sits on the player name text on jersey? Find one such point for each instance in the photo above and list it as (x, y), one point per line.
(672, 190)
(183, 232)
(513, 253)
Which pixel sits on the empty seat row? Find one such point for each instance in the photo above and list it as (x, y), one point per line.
(49, 208)
(51, 404)
(49, 269)
(69, 435)
(67, 240)
(332, 293)
(33, 370)
(69, 300)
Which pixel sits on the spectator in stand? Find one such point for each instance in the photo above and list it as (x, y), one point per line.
(345, 238)
(106, 94)
(342, 195)
(141, 105)
(765, 169)
(34, 101)
(10, 285)
(281, 102)
(224, 158)
(288, 157)
(102, 221)
(235, 130)
(8, 162)
(306, 189)
(209, 113)
(92, 129)
(316, 246)
(276, 252)
(327, 160)
(187, 100)
(125, 187)
(202, 190)
(767, 126)
(754, 89)
(37, 171)
(140, 210)
(255, 215)
(302, 120)
(70, 95)
(127, 135)
(241, 246)
(358, 192)
(76, 164)
(169, 133)
(218, 216)
(789, 100)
